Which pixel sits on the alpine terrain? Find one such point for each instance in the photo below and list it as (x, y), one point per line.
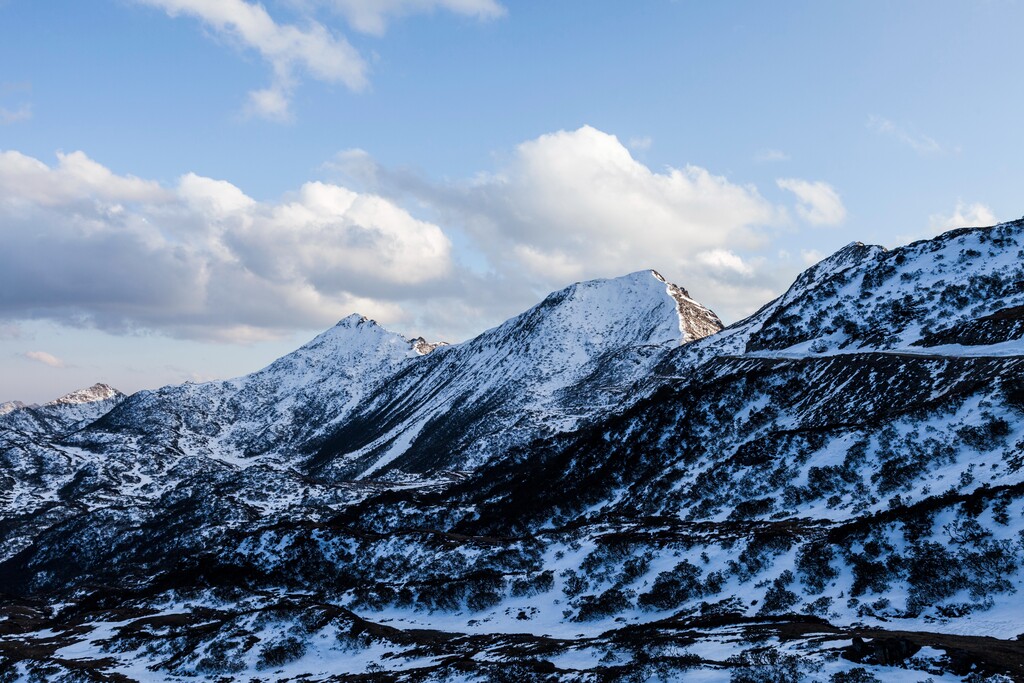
(607, 487)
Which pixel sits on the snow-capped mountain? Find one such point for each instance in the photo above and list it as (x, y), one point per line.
(291, 422)
(358, 400)
(91, 395)
(10, 406)
(62, 415)
(929, 293)
(830, 490)
(273, 411)
(544, 371)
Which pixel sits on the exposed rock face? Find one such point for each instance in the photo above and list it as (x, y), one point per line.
(590, 491)
(695, 320)
(423, 347)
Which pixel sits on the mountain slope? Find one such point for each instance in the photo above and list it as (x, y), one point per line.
(271, 411)
(358, 400)
(867, 297)
(791, 499)
(588, 340)
(544, 371)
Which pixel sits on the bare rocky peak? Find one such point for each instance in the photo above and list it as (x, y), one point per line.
(423, 347)
(696, 321)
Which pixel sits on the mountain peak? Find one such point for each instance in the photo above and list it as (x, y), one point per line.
(11, 406)
(853, 254)
(354, 320)
(346, 331)
(649, 288)
(97, 392)
(695, 320)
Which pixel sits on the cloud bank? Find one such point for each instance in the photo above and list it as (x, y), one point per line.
(201, 259)
(85, 246)
(576, 204)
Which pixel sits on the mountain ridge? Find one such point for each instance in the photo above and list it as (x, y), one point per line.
(305, 399)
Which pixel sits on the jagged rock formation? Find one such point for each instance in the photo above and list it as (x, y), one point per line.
(830, 490)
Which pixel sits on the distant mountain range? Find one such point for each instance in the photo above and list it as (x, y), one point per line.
(606, 487)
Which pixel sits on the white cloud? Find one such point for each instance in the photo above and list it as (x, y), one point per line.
(811, 256)
(922, 144)
(24, 179)
(22, 113)
(202, 259)
(819, 203)
(963, 216)
(771, 155)
(576, 204)
(273, 103)
(725, 261)
(372, 16)
(45, 358)
(314, 49)
(581, 193)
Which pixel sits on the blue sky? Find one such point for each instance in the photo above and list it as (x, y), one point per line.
(190, 188)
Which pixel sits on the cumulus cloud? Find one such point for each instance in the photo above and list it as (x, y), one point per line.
(45, 358)
(372, 16)
(725, 261)
(819, 203)
(963, 216)
(576, 204)
(579, 198)
(922, 144)
(24, 179)
(83, 245)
